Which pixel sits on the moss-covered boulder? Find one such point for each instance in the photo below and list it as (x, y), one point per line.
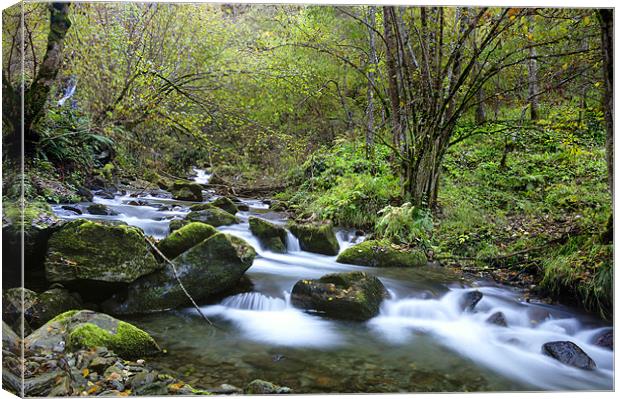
(77, 329)
(39, 222)
(184, 238)
(226, 204)
(349, 296)
(271, 236)
(186, 191)
(379, 253)
(100, 209)
(211, 215)
(211, 267)
(318, 238)
(84, 250)
(37, 309)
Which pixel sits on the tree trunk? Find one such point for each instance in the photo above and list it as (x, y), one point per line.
(607, 45)
(36, 95)
(390, 50)
(370, 110)
(532, 73)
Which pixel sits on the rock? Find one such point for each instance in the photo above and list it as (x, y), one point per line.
(213, 216)
(605, 340)
(176, 224)
(39, 222)
(278, 206)
(73, 209)
(137, 203)
(225, 204)
(351, 296)
(184, 238)
(85, 194)
(497, 318)
(213, 266)
(271, 236)
(87, 329)
(243, 207)
(316, 238)
(38, 309)
(106, 194)
(100, 209)
(568, 353)
(469, 300)
(186, 191)
(42, 384)
(226, 389)
(260, 387)
(89, 251)
(10, 340)
(379, 253)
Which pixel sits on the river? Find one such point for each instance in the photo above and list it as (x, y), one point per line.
(420, 341)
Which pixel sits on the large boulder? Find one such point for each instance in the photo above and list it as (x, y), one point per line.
(77, 329)
(211, 267)
(261, 387)
(184, 238)
(271, 236)
(176, 224)
(605, 340)
(569, 353)
(186, 191)
(318, 238)
(37, 309)
(350, 296)
(10, 340)
(226, 204)
(213, 216)
(379, 253)
(84, 250)
(100, 209)
(39, 222)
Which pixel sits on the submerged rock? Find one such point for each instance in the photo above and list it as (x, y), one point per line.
(498, 319)
(226, 204)
(569, 353)
(84, 250)
(213, 216)
(186, 191)
(271, 236)
(605, 340)
(318, 238)
(213, 266)
(378, 253)
(184, 238)
(100, 209)
(37, 309)
(350, 296)
(261, 387)
(78, 329)
(469, 300)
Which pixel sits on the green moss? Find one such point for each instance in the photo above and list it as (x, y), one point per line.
(213, 216)
(128, 341)
(318, 238)
(184, 238)
(64, 316)
(186, 191)
(226, 204)
(375, 253)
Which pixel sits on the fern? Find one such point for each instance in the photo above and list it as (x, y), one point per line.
(405, 224)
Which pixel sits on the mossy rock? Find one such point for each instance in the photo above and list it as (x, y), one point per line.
(261, 387)
(86, 250)
(271, 236)
(214, 216)
(184, 238)
(39, 222)
(100, 209)
(208, 268)
(37, 309)
(176, 224)
(78, 329)
(318, 238)
(278, 206)
(348, 296)
(186, 191)
(226, 204)
(379, 253)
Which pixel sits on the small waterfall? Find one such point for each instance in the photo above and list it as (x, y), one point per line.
(254, 301)
(292, 243)
(202, 177)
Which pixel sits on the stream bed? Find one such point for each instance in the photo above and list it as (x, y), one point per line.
(421, 341)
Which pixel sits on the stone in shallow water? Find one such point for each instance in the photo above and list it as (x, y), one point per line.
(469, 300)
(185, 238)
(379, 253)
(271, 236)
(317, 238)
(260, 387)
(498, 318)
(568, 353)
(605, 340)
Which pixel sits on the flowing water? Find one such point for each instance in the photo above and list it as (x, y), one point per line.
(420, 341)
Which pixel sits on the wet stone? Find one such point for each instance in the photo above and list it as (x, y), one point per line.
(569, 353)
(498, 319)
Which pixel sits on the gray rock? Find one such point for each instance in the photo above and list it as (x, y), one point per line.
(568, 353)
(497, 318)
(469, 300)
(261, 387)
(605, 340)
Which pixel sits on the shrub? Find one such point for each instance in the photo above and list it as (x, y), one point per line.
(405, 224)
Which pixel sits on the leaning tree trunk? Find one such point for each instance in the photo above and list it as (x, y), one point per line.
(36, 95)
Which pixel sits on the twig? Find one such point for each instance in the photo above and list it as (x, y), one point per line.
(176, 275)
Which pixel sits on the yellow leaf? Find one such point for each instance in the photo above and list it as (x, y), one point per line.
(85, 373)
(565, 66)
(530, 36)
